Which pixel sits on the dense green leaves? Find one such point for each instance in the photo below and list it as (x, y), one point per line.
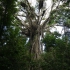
(50, 40)
(57, 58)
(13, 50)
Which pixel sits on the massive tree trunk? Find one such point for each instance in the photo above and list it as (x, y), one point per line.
(35, 46)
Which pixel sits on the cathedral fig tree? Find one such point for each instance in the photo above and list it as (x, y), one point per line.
(34, 17)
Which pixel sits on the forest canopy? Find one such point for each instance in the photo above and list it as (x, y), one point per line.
(26, 42)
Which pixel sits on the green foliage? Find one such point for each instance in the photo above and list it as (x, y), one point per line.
(61, 15)
(14, 54)
(7, 11)
(13, 50)
(57, 58)
(50, 40)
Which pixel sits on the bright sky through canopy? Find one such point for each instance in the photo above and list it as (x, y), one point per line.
(48, 2)
(48, 6)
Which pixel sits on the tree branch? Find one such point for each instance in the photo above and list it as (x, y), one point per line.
(48, 19)
(21, 23)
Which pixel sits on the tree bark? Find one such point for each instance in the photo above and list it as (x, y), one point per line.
(35, 46)
(34, 51)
